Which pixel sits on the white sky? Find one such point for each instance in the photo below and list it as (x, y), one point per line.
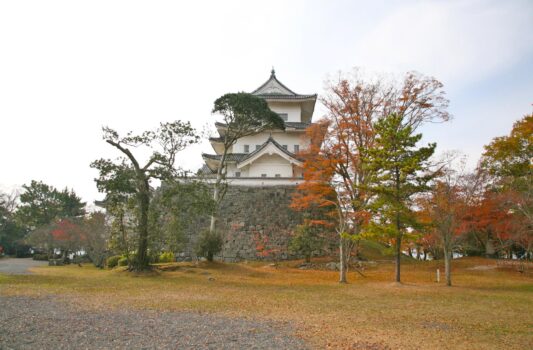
(69, 67)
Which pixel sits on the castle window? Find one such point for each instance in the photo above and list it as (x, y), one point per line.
(284, 116)
(278, 175)
(263, 175)
(246, 148)
(296, 148)
(237, 174)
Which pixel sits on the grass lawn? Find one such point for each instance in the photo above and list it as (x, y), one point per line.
(487, 308)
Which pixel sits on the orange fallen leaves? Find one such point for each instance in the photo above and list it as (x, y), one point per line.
(488, 308)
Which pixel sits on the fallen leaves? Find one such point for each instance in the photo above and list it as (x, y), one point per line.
(485, 308)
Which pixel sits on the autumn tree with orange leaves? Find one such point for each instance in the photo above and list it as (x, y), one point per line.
(498, 220)
(442, 211)
(509, 160)
(335, 171)
(488, 224)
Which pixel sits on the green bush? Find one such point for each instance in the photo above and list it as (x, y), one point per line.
(209, 244)
(166, 257)
(123, 261)
(112, 261)
(40, 257)
(306, 241)
(153, 257)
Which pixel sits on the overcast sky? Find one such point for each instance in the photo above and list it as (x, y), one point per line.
(69, 67)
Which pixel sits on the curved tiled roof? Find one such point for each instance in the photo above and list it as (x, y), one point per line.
(205, 170)
(231, 157)
(275, 90)
(216, 139)
(274, 81)
(285, 97)
(297, 125)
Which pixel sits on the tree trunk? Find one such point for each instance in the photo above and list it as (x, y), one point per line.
(215, 198)
(398, 228)
(216, 190)
(343, 262)
(141, 260)
(398, 256)
(489, 249)
(448, 266)
(124, 243)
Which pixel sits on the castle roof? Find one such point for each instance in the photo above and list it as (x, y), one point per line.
(297, 125)
(264, 146)
(230, 157)
(273, 89)
(205, 170)
(288, 125)
(241, 159)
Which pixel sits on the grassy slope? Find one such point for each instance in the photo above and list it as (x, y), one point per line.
(376, 251)
(486, 309)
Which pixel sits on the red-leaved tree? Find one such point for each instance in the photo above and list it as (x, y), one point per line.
(335, 173)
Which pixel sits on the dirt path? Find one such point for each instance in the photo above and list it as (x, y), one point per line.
(47, 323)
(12, 266)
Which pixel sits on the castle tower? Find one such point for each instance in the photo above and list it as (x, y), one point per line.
(269, 158)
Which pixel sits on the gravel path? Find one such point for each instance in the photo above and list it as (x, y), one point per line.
(19, 266)
(47, 323)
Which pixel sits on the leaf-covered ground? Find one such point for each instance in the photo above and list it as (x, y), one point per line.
(487, 308)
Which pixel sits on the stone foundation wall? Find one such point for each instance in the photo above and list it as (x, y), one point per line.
(256, 222)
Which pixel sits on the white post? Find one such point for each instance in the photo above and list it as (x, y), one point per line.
(438, 275)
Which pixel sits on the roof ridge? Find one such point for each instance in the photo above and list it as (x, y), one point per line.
(273, 77)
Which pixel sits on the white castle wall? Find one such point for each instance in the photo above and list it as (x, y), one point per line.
(294, 111)
(271, 165)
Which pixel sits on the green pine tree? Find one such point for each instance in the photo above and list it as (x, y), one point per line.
(400, 171)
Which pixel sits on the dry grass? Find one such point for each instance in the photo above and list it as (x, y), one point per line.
(487, 308)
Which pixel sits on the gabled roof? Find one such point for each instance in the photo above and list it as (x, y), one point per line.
(291, 157)
(273, 89)
(275, 143)
(242, 159)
